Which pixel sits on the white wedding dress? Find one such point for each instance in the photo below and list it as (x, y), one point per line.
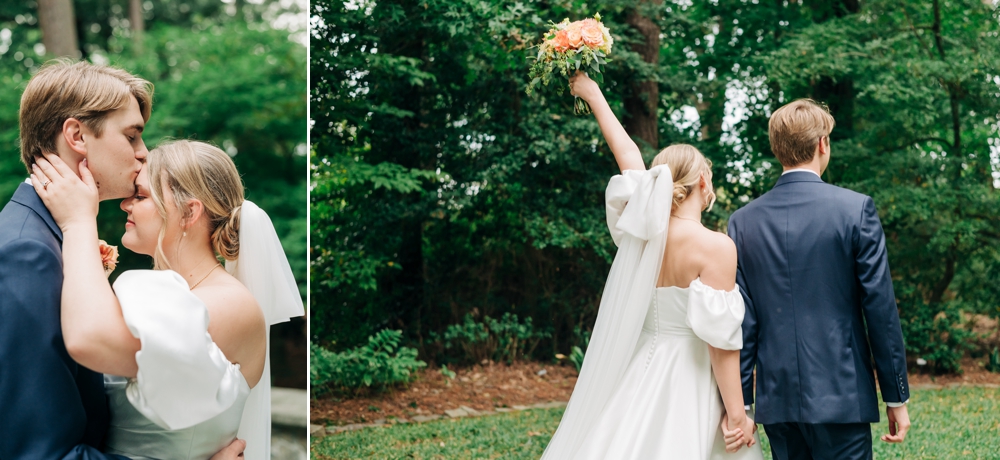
(188, 401)
(668, 403)
(646, 389)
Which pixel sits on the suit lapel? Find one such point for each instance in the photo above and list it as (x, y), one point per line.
(26, 196)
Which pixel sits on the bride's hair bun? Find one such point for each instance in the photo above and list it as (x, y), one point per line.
(198, 171)
(681, 193)
(687, 165)
(226, 237)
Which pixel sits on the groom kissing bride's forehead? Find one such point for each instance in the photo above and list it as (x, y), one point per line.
(81, 139)
(78, 111)
(54, 407)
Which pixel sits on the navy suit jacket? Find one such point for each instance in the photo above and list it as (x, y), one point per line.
(820, 308)
(50, 406)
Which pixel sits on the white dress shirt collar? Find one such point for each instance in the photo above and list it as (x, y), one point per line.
(800, 169)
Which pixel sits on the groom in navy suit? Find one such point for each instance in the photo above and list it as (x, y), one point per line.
(50, 406)
(820, 308)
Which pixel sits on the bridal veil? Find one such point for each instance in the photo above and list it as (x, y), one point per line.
(642, 199)
(263, 268)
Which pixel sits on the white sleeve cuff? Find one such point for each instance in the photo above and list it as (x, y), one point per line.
(746, 407)
(897, 404)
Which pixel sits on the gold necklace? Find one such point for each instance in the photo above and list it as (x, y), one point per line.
(203, 278)
(685, 218)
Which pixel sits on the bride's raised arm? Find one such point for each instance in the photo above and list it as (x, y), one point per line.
(94, 331)
(626, 152)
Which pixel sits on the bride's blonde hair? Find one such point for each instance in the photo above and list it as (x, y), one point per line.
(687, 164)
(198, 171)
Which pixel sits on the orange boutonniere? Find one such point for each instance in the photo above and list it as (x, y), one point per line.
(109, 256)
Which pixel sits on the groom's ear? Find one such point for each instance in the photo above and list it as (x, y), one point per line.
(73, 133)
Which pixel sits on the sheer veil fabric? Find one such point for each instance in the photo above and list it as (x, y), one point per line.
(640, 234)
(263, 268)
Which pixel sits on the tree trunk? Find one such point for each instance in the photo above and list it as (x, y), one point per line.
(641, 105)
(137, 23)
(838, 94)
(58, 23)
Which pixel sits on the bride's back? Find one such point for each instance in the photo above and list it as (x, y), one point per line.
(693, 251)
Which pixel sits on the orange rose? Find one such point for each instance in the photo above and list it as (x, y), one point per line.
(591, 33)
(560, 42)
(573, 35)
(109, 256)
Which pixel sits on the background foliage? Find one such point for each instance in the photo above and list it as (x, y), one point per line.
(440, 189)
(233, 75)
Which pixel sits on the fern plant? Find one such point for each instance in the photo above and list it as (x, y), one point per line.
(379, 364)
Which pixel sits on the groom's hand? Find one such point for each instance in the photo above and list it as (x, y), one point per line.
(233, 451)
(899, 424)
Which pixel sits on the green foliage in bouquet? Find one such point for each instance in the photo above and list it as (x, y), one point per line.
(380, 364)
(569, 47)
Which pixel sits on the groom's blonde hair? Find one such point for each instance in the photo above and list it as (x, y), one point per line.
(65, 89)
(687, 166)
(198, 171)
(796, 129)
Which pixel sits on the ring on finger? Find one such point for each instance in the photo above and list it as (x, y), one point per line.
(45, 185)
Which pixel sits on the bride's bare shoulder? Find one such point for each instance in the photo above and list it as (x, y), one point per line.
(236, 324)
(716, 245)
(229, 295)
(718, 256)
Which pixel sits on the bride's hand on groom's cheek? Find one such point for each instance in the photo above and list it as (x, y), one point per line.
(70, 199)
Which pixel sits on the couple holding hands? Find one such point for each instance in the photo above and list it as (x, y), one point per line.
(701, 336)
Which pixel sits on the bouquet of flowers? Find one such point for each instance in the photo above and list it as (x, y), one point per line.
(571, 46)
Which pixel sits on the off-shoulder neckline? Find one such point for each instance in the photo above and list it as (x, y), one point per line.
(702, 286)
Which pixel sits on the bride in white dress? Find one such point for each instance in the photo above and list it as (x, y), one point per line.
(184, 347)
(661, 376)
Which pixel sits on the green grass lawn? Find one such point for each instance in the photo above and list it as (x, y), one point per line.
(948, 424)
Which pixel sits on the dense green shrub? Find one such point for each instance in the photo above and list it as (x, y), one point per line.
(506, 339)
(577, 351)
(378, 365)
(936, 336)
(993, 365)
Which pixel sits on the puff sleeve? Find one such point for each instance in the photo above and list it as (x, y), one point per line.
(183, 378)
(716, 316)
(620, 189)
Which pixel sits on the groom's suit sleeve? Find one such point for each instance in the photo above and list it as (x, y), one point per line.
(878, 303)
(748, 354)
(42, 415)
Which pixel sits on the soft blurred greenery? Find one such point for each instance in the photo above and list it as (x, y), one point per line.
(949, 423)
(440, 189)
(235, 77)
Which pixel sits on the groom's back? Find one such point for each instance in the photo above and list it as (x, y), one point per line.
(802, 232)
(797, 249)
